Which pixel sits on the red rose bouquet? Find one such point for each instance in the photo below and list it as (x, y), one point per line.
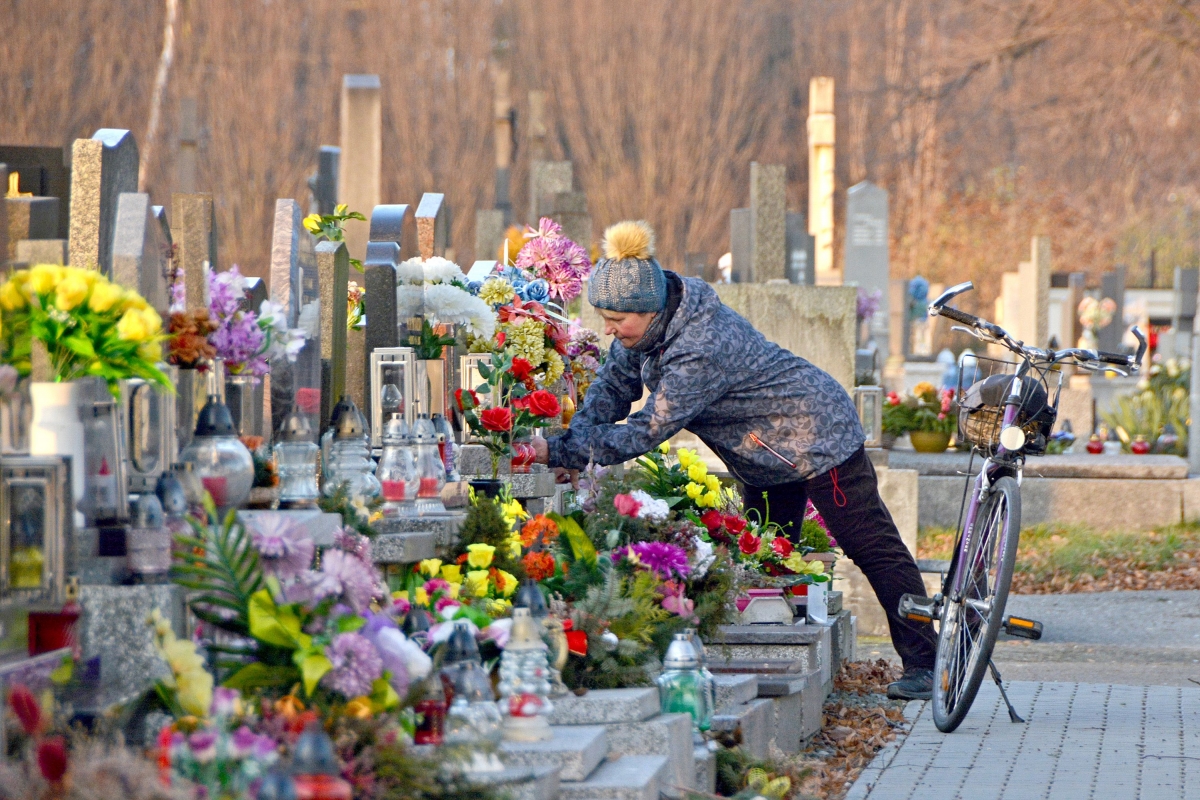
(515, 416)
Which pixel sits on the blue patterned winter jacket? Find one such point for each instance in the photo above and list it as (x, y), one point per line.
(719, 378)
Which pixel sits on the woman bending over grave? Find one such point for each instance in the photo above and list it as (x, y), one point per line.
(785, 428)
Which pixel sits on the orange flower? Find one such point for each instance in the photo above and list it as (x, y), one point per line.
(538, 565)
(541, 524)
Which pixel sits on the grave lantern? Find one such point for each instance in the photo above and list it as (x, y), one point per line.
(296, 460)
(525, 682)
(148, 422)
(869, 402)
(682, 686)
(218, 458)
(36, 531)
(472, 721)
(392, 373)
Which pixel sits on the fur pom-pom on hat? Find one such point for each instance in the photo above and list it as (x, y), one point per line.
(628, 278)
(629, 239)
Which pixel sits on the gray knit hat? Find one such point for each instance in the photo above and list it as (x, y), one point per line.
(628, 278)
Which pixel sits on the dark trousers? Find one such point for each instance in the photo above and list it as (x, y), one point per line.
(848, 498)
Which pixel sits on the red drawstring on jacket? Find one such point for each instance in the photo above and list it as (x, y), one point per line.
(837, 491)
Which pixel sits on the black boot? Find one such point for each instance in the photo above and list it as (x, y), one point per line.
(917, 684)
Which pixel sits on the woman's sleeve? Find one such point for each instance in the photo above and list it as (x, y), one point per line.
(617, 385)
(686, 388)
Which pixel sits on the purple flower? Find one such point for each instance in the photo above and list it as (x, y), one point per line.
(283, 548)
(225, 292)
(661, 558)
(346, 539)
(203, 745)
(565, 284)
(867, 303)
(225, 701)
(539, 254)
(547, 229)
(577, 259)
(356, 665)
(346, 575)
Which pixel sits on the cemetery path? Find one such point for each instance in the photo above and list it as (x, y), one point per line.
(1131, 638)
(1081, 742)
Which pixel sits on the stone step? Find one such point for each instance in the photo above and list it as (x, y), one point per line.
(734, 690)
(624, 778)
(798, 704)
(403, 548)
(600, 706)
(841, 639)
(444, 526)
(534, 783)
(667, 735)
(576, 749)
(810, 645)
(752, 724)
(706, 769)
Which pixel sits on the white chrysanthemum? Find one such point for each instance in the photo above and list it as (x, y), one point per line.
(310, 319)
(409, 301)
(702, 558)
(651, 509)
(440, 270)
(450, 305)
(411, 272)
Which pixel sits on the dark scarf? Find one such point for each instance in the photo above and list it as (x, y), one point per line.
(657, 329)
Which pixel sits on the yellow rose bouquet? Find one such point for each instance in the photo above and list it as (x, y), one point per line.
(90, 326)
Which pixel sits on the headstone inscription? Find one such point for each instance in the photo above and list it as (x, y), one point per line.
(102, 167)
(1112, 285)
(142, 251)
(195, 237)
(361, 159)
(768, 211)
(866, 259)
(741, 245)
(799, 245)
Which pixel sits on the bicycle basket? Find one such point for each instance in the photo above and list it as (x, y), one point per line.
(982, 392)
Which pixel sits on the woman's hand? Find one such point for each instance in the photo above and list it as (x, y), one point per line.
(541, 450)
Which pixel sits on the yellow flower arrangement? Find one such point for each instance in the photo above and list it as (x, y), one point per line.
(697, 472)
(75, 313)
(431, 567)
(191, 682)
(477, 583)
(480, 555)
(452, 573)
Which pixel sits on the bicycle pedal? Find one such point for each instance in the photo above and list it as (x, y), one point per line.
(919, 609)
(1023, 628)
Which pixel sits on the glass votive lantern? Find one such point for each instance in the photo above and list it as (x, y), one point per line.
(524, 687)
(681, 686)
(221, 462)
(296, 462)
(397, 469)
(430, 467)
(350, 461)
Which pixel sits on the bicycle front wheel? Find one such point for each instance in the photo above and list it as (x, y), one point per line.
(972, 614)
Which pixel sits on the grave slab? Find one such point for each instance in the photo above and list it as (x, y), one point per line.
(444, 527)
(42, 251)
(667, 735)
(403, 548)
(735, 690)
(30, 218)
(753, 723)
(601, 706)
(141, 251)
(626, 778)
(706, 769)
(538, 783)
(576, 750)
(113, 626)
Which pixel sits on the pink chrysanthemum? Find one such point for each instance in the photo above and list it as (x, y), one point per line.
(347, 576)
(356, 665)
(283, 548)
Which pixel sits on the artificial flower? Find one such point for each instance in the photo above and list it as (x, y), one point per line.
(452, 573)
(543, 403)
(11, 298)
(541, 527)
(284, 549)
(748, 543)
(702, 558)
(194, 691)
(539, 565)
(521, 369)
(356, 664)
(513, 511)
(496, 419)
(694, 490)
(349, 576)
(480, 555)
(626, 505)
(661, 558)
(466, 399)
(226, 702)
(712, 483)
(712, 520)
(477, 583)
(431, 566)
(52, 759)
(664, 448)
(679, 604)
(781, 546)
(70, 292)
(697, 472)
(496, 291)
(43, 278)
(686, 458)
(507, 582)
(709, 500)
(734, 524)
(650, 508)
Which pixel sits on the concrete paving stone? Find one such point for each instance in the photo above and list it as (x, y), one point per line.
(734, 690)
(601, 706)
(664, 735)
(625, 778)
(576, 750)
(536, 783)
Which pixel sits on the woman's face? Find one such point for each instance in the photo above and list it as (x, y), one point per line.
(627, 327)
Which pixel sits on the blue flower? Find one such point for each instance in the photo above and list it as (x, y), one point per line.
(537, 291)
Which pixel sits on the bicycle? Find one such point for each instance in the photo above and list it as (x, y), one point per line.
(1006, 417)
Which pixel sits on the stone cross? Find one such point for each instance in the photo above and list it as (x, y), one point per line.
(360, 167)
(799, 244)
(333, 266)
(741, 245)
(768, 212)
(821, 177)
(1112, 285)
(101, 169)
(186, 158)
(379, 267)
(195, 236)
(1183, 314)
(433, 228)
(866, 259)
(324, 185)
(142, 251)
(285, 257)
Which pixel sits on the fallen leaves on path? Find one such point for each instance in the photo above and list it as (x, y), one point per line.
(859, 721)
(1119, 574)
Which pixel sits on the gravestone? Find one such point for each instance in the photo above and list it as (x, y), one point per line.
(361, 159)
(1183, 315)
(866, 260)
(821, 177)
(44, 172)
(1033, 309)
(3, 216)
(333, 266)
(142, 251)
(1112, 285)
(546, 179)
(28, 218)
(383, 257)
(41, 251)
(741, 245)
(768, 210)
(799, 245)
(101, 169)
(569, 209)
(195, 237)
(489, 232)
(433, 226)
(1070, 333)
(188, 155)
(286, 284)
(324, 185)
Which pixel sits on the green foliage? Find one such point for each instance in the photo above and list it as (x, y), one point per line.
(814, 537)
(484, 524)
(605, 607)
(332, 227)
(733, 764)
(431, 344)
(1161, 400)
(356, 517)
(219, 563)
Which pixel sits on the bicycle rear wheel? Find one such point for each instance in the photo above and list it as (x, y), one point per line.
(970, 622)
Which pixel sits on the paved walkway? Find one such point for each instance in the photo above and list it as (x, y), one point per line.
(1080, 742)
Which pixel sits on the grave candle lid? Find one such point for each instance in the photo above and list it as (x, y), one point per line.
(295, 428)
(681, 654)
(530, 596)
(215, 419)
(461, 646)
(349, 423)
(314, 753)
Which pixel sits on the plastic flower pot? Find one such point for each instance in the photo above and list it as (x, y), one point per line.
(929, 441)
(488, 487)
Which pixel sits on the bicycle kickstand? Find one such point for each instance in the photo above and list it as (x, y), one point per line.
(1012, 712)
